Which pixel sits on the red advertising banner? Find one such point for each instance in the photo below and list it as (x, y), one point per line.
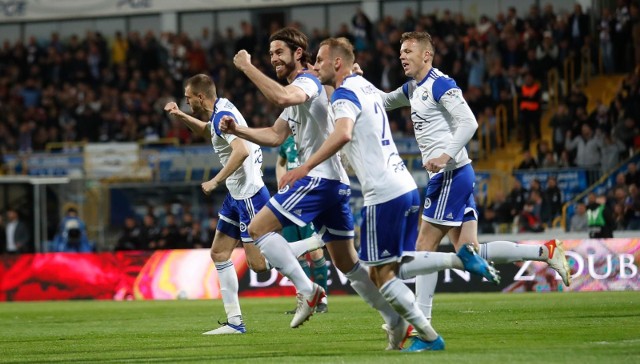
(610, 264)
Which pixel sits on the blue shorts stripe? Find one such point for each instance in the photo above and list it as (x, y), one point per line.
(371, 232)
(299, 194)
(228, 220)
(449, 197)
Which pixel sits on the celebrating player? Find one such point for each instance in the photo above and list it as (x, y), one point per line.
(241, 161)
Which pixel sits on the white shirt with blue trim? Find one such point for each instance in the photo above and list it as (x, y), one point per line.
(246, 181)
(310, 126)
(371, 151)
(442, 120)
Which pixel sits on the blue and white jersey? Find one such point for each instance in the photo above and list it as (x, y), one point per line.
(246, 181)
(310, 126)
(371, 151)
(442, 120)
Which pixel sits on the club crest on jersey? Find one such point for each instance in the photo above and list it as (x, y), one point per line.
(425, 96)
(427, 203)
(283, 189)
(243, 227)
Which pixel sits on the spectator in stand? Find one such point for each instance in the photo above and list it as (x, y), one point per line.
(542, 151)
(502, 209)
(535, 197)
(487, 223)
(170, 234)
(149, 233)
(517, 198)
(626, 130)
(576, 99)
(632, 209)
(579, 219)
(621, 36)
(632, 176)
(553, 197)
(528, 222)
(549, 161)
(588, 148)
(17, 237)
(547, 52)
(530, 110)
(564, 161)
(578, 28)
(560, 122)
(130, 237)
(611, 151)
(194, 238)
(528, 162)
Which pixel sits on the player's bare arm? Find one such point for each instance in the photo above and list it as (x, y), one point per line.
(336, 140)
(270, 137)
(196, 126)
(239, 153)
(280, 95)
(281, 168)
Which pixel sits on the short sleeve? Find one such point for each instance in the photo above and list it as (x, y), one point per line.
(309, 84)
(216, 125)
(345, 104)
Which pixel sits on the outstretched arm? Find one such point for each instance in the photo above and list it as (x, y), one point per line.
(332, 145)
(270, 137)
(276, 93)
(239, 152)
(196, 126)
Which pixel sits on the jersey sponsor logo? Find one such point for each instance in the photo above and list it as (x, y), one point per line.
(425, 96)
(339, 105)
(454, 92)
(283, 189)
(427, 203)
(243, 227)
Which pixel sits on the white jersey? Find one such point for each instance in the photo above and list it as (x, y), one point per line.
(442, 120)
(246, 181)
(371, 151)
(310, 125)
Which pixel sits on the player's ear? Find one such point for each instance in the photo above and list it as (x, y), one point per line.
(297, 55)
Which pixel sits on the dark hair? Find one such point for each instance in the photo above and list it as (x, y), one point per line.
(202, 83)
(294, 39)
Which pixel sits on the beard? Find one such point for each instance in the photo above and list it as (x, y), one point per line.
(286, 71)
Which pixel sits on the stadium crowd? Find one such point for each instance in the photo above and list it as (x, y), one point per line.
(111, 87)
(100, 88)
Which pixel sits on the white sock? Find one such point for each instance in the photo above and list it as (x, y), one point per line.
(403, 301)
(428, 262)
(364, 286)
(425, 289)
(276, 249)
(229, 290)
(306, 245)
(509, 252)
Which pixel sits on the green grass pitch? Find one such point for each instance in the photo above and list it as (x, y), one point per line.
(597, 327)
